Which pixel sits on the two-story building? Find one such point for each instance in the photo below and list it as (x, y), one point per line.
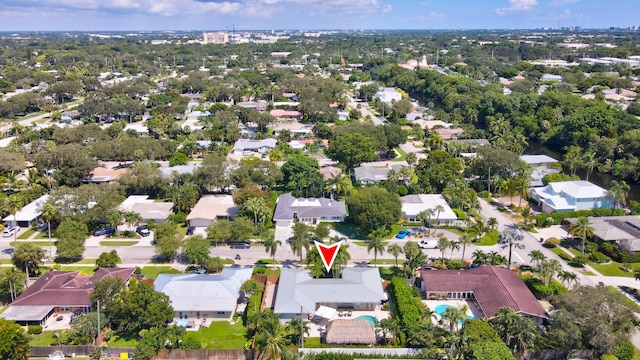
(566, 196)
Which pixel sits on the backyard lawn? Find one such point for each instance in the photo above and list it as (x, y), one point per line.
(124, 341)
(45, 339)
(221, 335)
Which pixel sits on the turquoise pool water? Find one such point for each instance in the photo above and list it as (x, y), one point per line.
(441, 309)
(369, 318)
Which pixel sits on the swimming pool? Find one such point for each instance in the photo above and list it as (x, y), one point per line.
(182, 323)
(440, 309)
(369, 318)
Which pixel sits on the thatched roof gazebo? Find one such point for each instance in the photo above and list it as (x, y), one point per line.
(356, 332)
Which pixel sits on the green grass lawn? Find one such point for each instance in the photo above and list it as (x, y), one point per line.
(45, 339)
(221, 335)
(366, 243)
(455, 230)
(557, 251)
(27, 234)
(123, 340)
(387, 262)
(267, 262)
(312, 342)
(38, 243)
(613, 269)
(152, 272)
(632, 304)
(348, 229)
(45, 235)
(84, 270)
(389, 272)
(6, 261)
(118, 242)
(489, 239)
(403, 155)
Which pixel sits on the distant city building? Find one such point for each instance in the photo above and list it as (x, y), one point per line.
(215, 38)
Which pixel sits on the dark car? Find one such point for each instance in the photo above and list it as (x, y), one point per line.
(104, 230)
(240, 245)
(190, 230)
(143, 230)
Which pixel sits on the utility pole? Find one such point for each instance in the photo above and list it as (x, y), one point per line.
(98, 338)
(26, 272)
(301, 329)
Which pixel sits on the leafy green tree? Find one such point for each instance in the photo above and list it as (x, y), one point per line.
(438, 171)
(106, 291)
(489, 351)
(214, 265)
(242, 229)
(28, 257)
(160, 337)
(71, 163)
(85, 329)
(15, 342)
(196, 249)
(352, 149)
(71, 235)
(374, 207)
(519, 333)
(301, 175)
(140, 307)
(108, 259)
(167, 240)
(220, 230)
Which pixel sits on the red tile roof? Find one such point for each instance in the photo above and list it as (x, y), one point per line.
(66, 288)
(493, 287)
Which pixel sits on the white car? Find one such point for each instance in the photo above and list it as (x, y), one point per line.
(428, 244)
(9, 231)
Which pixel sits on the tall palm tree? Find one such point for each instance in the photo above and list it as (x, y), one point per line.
(618, 191)
(455, 315)
(376, 243)
(548, 269)
(425, 216)
(14, 204)
(411, 159)
(48, 213)
(477, 230)
(583, 227)
(453, 245)
(395, 250)
(300, 239)
(464, 240)
(438, 209)
(131, 218)
(342, 258)
(443, 244)
(271, 246)
(573, 159)
(510, 238)
(567, 277)
(492, 223)
(479, 257)
(589, 161)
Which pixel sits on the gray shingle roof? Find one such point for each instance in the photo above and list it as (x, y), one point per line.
(287, 205)
(297, 289)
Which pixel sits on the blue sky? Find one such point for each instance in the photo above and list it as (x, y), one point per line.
(18, 15)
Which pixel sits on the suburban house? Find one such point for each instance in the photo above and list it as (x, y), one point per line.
(330, 171)
(188, 168)
(260, 146)
(105, 175)
(290, 209)
(570, 196)
(622, 230)
(260, 105)
(29, 214)
(286, 114)
(148, 209)
(296, 129)
(388, 95)
(413, 205)
(204, 296)
(211, 208)
(541, 166)
(373, 174)
(359, 289)
(491, 287)
(59, 293)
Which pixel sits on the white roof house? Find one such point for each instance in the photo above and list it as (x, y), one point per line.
(29, 213)
(261, 146)
(212, 296)
(307, 210)
(413, 205)
(148, 209)
(373, 174)
(358, 289)
(210, 208)
(537, 161)
(387, 95)
(571, 196)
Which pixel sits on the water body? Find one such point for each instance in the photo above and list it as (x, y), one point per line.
(598, 178)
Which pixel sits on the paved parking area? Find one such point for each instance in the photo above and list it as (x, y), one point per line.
(556, 231)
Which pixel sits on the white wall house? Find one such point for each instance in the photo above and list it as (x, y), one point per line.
(312, 211)
(388, 95)
(570, 196)
(211, 208)
(413, 205)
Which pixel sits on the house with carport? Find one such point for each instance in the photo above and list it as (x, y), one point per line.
(310, 211)
(29, 214)
(204, 296)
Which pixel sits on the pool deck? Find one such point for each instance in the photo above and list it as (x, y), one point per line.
(473, 311)
(319, 328)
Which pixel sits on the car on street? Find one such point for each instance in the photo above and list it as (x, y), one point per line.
(104, 230)
(428, 244)
(9, 231)
(240, 245)
(402, 234)
(143, 230)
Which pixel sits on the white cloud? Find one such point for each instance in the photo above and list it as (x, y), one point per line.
(516, 6)
(559, 3)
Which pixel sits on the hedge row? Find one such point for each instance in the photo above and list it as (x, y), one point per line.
(408, 306)
(545, 220)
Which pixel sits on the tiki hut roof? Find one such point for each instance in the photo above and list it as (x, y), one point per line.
(344, 332)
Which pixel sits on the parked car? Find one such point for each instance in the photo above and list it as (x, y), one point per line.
(199, 271)
(240, 245)
(428, 244)
(402, 234)
(143, 230)
(190, 230)
(104, 230)
(9, 231)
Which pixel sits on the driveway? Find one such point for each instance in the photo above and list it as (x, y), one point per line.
(364, 110)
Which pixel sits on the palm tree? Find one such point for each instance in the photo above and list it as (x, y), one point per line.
(424, 216)
(295, 330)
(477, 230)
(567, 277)
(443, 244)
(455, 315)
(479, 257)
(536, 257)
(589, 162)
(376, 243)
(516, 331)
(395, 250)
(510, 238)
(411, 159)
(271, 246)
(548, 269)
(300, 239)
(48, 213)
(583, 227)
(495, 258)
(492, 223)
(453, 245)
(618, 191)
(391, 330)
(527, 218)
(438, 208)
(464, 240)
(573, 159)
(342, 258)
(14, 204)
(131, 218)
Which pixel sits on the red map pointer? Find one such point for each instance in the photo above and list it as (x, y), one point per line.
(328, 253)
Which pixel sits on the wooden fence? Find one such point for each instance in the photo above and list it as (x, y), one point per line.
(560, 354)
(78, 350)
(205, 355)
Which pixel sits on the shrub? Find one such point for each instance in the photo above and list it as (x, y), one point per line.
(598, 257)
(484, 194)
(625, 351)
(108, 335)
(551, 242)
(608, 357)
(34, 329)
(260, 270)
(138, 270)
(590, 247)
(578, 261)
(565, 256)
(454, 264)
(179, 218)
